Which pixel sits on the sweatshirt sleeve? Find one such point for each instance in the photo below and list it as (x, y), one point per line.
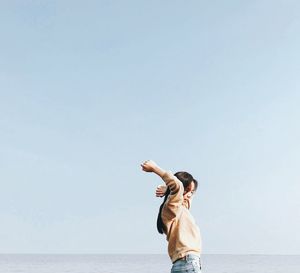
(176, 188)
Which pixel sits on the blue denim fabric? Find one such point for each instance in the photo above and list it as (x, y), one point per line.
(191, 264)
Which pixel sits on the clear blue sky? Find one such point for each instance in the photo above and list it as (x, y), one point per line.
(91, 89)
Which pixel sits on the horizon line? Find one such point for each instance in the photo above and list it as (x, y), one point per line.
(165, 254)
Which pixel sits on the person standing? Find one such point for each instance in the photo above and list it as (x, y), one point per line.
(175, 220)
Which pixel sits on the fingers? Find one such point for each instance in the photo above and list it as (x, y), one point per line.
(147, 166)
(145, 162)
(159, 194)
(160, 191)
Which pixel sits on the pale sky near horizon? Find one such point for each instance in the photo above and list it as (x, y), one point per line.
(88, 90)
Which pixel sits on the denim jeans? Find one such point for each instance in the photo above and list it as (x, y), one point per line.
(191, 264)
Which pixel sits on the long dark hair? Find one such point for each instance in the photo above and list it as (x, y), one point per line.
(186, 180)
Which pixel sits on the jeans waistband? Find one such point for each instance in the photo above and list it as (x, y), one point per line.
(192, 257)
(188, 257)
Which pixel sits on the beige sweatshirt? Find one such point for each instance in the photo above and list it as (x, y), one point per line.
(182, 232)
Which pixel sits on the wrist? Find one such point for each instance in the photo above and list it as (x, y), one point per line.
(159, 171)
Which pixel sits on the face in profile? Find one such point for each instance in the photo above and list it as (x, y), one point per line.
(189, 192)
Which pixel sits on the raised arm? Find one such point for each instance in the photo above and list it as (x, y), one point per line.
(175, 198)
(171, 181)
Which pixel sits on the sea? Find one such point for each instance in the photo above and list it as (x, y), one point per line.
(150, 263)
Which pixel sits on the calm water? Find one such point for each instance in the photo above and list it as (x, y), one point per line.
(144, 264)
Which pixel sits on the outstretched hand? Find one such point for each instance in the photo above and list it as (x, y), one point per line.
(149, 166)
